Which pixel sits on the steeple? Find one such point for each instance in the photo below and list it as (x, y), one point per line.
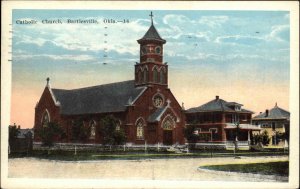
(151, 69)
(151, 34)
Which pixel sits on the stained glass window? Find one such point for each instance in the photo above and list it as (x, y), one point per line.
(46, 119)
(118, 127)
(168, 123)
(93, 129)
(140, 129)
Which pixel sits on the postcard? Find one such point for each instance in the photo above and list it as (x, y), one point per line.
(150, 94)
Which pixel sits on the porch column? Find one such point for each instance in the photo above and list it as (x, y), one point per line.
(224, 138)
(223, 118)
(249, 137)
(224, 134)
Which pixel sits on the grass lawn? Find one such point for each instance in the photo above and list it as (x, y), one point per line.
(131, 155)
(272, 168)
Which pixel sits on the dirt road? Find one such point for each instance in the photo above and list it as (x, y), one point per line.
(152, 169)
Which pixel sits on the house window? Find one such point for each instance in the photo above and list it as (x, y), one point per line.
(93, 129)
(237, 108)
(213, 131)
(273, 126)
(45, 118)
(140, 129)
(265, 125)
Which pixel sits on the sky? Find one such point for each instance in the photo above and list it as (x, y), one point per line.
(241, 56)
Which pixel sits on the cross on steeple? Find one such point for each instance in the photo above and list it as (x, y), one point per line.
(151, 15)
(48, 79)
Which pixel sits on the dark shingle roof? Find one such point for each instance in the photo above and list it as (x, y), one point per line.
(24, 132)
(111, 97)
(216, 105)
(152, 34)
(274, 113)
(157, 114)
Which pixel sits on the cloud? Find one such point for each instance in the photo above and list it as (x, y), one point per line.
(238, 39)
(76, 58)
(213, 21)
(280, 33)
(172, 19)
(180, 27)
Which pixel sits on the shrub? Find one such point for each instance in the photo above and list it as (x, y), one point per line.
(49, 133)
(111, 136)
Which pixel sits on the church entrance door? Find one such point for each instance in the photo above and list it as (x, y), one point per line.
(167, 137)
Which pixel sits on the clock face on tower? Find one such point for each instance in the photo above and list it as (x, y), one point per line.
(158, 50)
(158, 101)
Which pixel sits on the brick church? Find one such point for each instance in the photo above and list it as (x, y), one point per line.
(145, 107)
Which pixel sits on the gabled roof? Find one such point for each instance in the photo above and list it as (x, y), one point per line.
(113, 97)
(152, 34)
(274, 113)
(157, 114)
(217, 105)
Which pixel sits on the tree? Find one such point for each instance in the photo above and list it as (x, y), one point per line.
(111, 136)
(237, 131)
(14, 131)
(265, 139)
(119, 137)
(189, 133)
(262, 138)
(49, 133)
(79, 132)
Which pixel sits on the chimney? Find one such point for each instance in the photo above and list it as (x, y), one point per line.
(217, 97)
(267, 113)
(19, 127)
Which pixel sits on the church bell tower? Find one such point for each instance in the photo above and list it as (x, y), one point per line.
(151, 70)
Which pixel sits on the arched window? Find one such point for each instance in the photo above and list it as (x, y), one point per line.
(155, 75)
(168, 123)
(145, 75)
(118, 126)
(45, 118)
(140, 76)
(92, 129)
(140, 128)
(162, 77)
